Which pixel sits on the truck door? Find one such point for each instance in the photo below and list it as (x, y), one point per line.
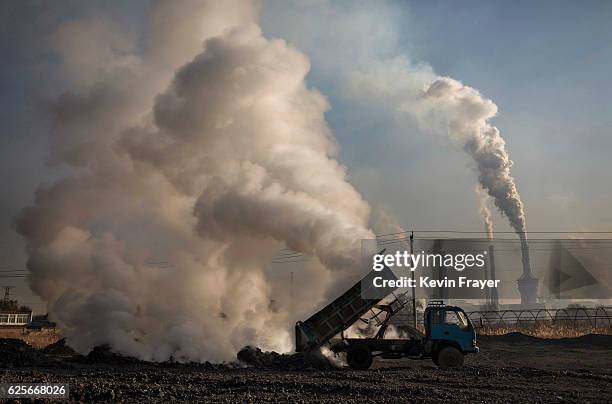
(457, 328)
(432, 320)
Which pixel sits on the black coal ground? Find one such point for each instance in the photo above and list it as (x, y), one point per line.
(513, 368)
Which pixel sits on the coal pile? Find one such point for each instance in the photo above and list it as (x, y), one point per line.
(511, 368)
(104, 355)
(59, 348)
(259, 359)
(16, 353)
(592, 340)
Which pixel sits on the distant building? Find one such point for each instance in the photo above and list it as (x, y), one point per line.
(17, 317)
(41, 321)
(11, 315)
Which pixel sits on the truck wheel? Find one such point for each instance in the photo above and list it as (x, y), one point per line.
(434, 358)
(359, 357)
(449, 358)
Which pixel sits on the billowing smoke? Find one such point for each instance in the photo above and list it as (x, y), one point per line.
(485, 212)
(188, 164)
(444, 105)
(383, 223)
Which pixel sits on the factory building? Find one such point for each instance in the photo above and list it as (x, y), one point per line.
(11, 314)
(15, 318)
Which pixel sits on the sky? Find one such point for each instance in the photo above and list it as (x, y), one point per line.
(545, 64)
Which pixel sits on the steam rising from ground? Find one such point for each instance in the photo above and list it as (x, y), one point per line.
(191, 157)
(444, 105)
(182, 186)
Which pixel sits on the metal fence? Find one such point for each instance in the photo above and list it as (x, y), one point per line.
(574, 316)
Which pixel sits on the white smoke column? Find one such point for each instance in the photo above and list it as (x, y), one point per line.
(447, 106)
(485, 212)
(158, 238)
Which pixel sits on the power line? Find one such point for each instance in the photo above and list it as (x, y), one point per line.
(496, 232)
(293, 255)
(287, 255)
(288, 250)
(285, 262)
(499, 240)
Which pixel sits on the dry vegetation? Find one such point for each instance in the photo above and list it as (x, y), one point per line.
(546, 330)
(34, 338)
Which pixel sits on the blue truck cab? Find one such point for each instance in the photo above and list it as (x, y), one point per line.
(448, 329)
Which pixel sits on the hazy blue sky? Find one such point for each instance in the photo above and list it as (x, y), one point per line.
(546, 64)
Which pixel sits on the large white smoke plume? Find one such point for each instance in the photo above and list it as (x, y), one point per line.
(190, 163)
(444, 105)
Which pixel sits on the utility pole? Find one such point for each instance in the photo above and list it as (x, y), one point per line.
(7, 293)
(493, 293)
(412, 274)
(291, 299)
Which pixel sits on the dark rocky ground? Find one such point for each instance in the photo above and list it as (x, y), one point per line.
(510, 368)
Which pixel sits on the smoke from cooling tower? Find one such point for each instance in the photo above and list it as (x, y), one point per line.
(485, 212)
(189, 167)
(444, 105)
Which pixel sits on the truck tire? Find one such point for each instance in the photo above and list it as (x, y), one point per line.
(359, 357)
(449, 358)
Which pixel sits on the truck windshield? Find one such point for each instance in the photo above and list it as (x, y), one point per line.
(458, 318)
(463, 319)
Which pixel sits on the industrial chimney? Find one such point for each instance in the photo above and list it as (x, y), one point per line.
(527, 283)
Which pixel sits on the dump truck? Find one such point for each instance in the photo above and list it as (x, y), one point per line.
(449, 334)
